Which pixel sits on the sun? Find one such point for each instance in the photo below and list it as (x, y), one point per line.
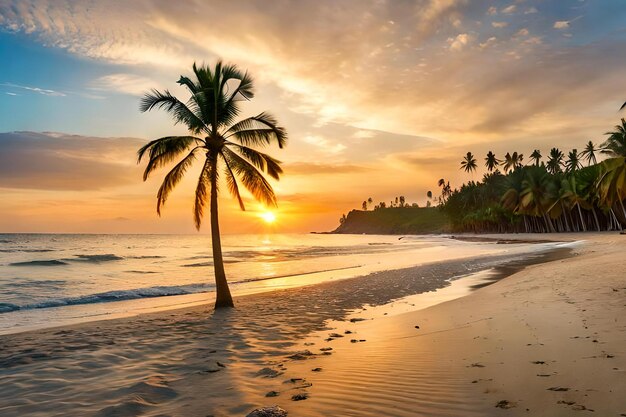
(268, 217)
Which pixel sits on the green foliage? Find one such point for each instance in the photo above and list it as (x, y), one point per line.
(395, 220)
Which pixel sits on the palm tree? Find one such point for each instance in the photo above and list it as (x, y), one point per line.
(491, 162)
(573, 161)
(369, 201)
(469, 163)
(364, 205)
(536, 156)
(590, 153)
(220, 142)
(555, 161)
(615, 145)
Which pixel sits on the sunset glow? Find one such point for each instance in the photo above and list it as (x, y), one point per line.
(268, 217)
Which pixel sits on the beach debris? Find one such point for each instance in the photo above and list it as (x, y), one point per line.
(302, 355)
(354, 320)
(335, 335)
(558, 389)
(566, 402)
(274, 411)
(417, 327)
(539, 362)
(544, 375)
(316, 369)
(272, 394)
(300, 397)
(506, 404)
(326, 349)
(348, 332)
(268, 373)
(477, 365)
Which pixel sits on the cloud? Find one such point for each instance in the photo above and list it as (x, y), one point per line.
(309, 168)
(460, 42)
(124, 83)
(561, 24)
(52, 161)
(499, 24)
(510, 9)
(489, 42)
(531, 10)
(324, 144)
(522, 32)
(38, 90)
(564, 24)
(492, 11)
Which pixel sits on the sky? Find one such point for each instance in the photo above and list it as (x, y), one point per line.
(379, 98)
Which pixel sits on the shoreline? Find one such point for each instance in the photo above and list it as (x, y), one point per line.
(116, 304)
(154, 362)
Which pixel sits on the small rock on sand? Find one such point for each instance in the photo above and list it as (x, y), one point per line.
(272, 394)
(316, 369)
(298, 356)
(354, 320)
(505, 404)
(274, 411)
(558, 389)
(299, 397)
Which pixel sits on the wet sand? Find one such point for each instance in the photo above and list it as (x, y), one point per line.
(195, 363)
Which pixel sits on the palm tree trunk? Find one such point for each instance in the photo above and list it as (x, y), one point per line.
(582, 221)
(222, 296)
(595, 217)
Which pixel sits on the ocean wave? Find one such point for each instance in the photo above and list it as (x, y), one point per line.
(6, 307)
(110, 296)
(146, 257)
(97, 258)
(49, 262)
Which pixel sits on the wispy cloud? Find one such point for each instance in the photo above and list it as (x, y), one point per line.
(37, 90)
(124, 83)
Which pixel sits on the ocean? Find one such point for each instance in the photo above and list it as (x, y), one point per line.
(54, 279)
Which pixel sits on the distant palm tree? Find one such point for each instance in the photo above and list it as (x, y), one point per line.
(590, 153)
(512, 161)
(469, 163)
(220, 142)
(491, 162)
(573, 161)
(536, 156)
(369, 201)
(555, 161)
(623, 106)
(364, 205)
(615, 145)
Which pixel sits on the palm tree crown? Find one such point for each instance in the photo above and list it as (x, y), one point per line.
(590, 153)
(615, 145)
(555, 161)
(469, 163)
(536, 156)
(221, 143)
(573, 161)
(491, 162)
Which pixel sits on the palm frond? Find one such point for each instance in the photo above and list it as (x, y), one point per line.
(231, 183)
(203, 187)
(258, 130)
(251, 178)
(260, 160)
(172, 178)
(164, 150)
(182, 114)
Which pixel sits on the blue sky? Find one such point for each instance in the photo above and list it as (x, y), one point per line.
(380, 98)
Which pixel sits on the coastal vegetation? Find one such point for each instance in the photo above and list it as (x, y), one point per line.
(222, 143)
(565, 192)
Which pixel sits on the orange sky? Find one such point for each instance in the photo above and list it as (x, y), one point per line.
(380, 99)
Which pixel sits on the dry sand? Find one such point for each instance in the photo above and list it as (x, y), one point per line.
(550, 339)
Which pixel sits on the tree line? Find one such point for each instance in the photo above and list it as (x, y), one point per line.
(565, 193)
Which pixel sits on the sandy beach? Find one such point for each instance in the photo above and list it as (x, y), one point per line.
(548, 340)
